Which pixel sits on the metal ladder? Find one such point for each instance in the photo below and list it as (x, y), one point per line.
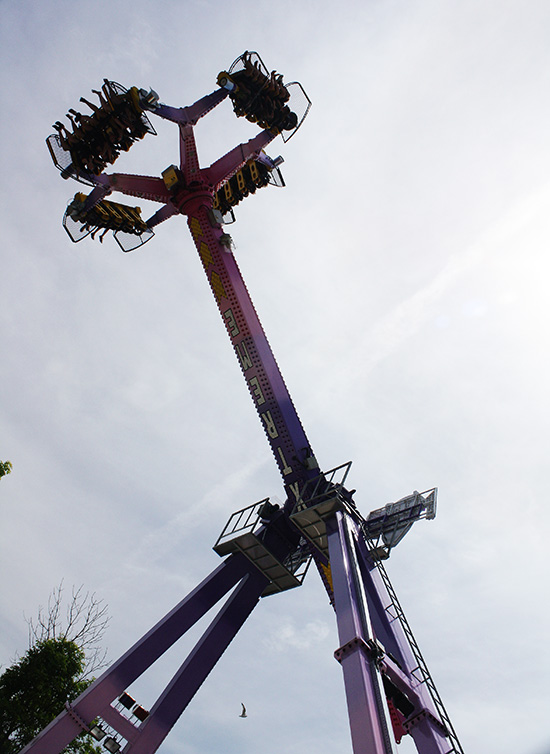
(421, 671)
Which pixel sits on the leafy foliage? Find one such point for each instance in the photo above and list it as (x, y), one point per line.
(64, 651)
(33, 691)
(5, 468)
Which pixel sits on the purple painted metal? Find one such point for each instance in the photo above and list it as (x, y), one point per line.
(97, 700)
(188, 116)
(371, 729)
(198, 665)
(378, 654)
(428, 725)
(194, 198)
(269, 393)
(142, 186)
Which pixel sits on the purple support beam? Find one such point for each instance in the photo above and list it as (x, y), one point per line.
(371, 730)
(194, 198)
(97, 699)
(427, 727)
(270, 395)
(198, 665)
(377, 644)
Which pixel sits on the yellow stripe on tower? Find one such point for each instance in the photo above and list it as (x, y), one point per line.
(327, 571)
(217, 287)
(195, 226)
(205, 255)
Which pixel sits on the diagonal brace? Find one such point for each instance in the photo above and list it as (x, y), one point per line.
(198, 664)
(96, 700)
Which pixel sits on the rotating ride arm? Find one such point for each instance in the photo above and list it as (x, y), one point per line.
(120, 119)
(188, 116)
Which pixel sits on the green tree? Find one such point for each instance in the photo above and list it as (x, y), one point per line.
(34, 690)
(5, 468)
(64, 651)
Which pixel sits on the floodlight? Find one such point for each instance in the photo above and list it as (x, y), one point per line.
(140, 712)
(111, 745)
(97, 732)
(126, 700)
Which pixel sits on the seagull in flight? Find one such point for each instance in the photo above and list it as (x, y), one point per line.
(243, 713)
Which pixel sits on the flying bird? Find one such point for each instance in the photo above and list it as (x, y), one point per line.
(243, 713)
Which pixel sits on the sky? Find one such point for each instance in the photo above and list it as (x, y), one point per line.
(401, 277)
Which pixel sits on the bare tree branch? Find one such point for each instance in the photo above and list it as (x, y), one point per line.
(84, 622)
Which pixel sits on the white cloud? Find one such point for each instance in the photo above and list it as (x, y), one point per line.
(286, 635)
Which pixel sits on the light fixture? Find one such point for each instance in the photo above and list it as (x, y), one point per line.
(126, 700)
(97, 732)
(111, 745)
(141, 713)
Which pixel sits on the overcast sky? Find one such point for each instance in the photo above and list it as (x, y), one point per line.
(402, 279)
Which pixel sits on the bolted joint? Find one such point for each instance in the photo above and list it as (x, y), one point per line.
(371, 648)
(419, 717)
(73, 714)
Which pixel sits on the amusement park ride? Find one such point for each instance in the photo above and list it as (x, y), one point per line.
(266, 548)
